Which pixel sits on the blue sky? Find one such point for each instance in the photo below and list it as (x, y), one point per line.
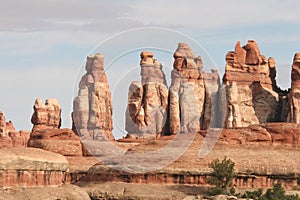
(44, 43)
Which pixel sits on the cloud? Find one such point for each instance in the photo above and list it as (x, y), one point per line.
(215, 14)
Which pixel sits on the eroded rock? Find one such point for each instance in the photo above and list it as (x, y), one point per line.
(92, 108)
(294, 96)
(147, 100)
(46, 133)
(188, 92)
(248, 88)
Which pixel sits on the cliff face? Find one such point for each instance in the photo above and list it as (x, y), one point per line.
(147, 100)
(92, 108)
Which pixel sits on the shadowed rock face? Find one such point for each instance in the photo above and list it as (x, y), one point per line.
(92, 108)
(294, 96)
(147, 100)
(248, 87)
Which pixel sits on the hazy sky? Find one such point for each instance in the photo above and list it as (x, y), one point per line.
(44, 43)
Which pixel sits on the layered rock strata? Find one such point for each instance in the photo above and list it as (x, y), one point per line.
(248, 89)
(294, 95)
(92, 108)
(46, 133)
(147, 100)
(30, 167)
(9, 137)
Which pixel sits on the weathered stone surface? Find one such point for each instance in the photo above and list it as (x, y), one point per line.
(47, 114)
(187, 92)
(147, 100)
(92, 108)
(212, 109)
(64, 192)
(62, 141)
(294, 96)
(9, 137)
(20, 166)
(248, 88)
(46, 133)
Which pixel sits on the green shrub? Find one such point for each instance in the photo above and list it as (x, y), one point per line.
(278, 193)
(221, 177)
(253, 194)
(222, 174)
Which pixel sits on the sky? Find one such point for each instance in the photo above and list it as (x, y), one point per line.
(44, 44)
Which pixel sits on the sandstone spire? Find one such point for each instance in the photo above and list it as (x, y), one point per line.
(147, 100)
(187, 91)
(294, 96)
(92, 108)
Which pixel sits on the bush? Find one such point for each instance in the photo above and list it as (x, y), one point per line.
(222, 174)
(221, 177)
(253, 194)
(278, 193)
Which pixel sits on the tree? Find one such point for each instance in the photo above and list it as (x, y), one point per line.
(222, 174)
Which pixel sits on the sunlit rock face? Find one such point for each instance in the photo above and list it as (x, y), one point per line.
(92, 108)
(248, 87)
(147, 100)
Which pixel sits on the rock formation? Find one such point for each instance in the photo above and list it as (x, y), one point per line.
(248, 87)
(212, 110)
(92, 108)
(294, 96)
(147, 100)
(46, 115)
(191, 98)
(29, 167)
(9, 137)
(46, 133)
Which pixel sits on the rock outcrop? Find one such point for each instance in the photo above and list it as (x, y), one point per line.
(92, 108)
(248, 87)
(28, 167)
(192, 94)
(294, 95)
(46, 133)
(147, 100)
(9, 137)
(46, 115)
